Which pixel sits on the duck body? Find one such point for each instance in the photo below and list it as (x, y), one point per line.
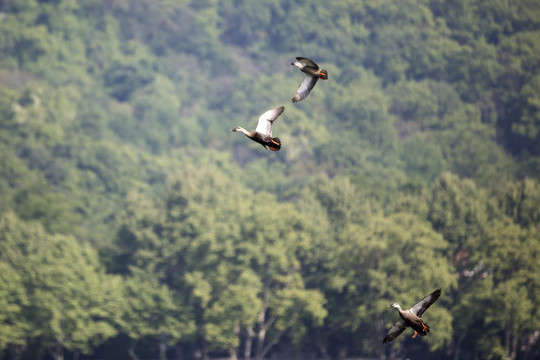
(263, 133)
(412, 317)
(313, 74)
(414, 322)
(309, 67)
(269, 142)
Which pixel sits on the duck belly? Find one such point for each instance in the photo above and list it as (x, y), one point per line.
(267, 141)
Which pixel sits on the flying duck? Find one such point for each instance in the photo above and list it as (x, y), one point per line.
(263, 132)
(412, 317)
(313, 73)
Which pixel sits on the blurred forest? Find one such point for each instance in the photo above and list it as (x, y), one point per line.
(134, 225)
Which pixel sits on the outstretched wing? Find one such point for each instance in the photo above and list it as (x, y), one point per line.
(425, 303)
(307, 62)
(305, 88)
(395, 331)
(265, 120)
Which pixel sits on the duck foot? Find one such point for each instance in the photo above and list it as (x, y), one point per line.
(425, 329)
(415, 333)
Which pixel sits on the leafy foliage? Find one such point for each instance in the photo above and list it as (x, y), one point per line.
(415, 166)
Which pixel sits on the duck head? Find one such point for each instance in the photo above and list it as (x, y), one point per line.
(394, 305)
(323, 74)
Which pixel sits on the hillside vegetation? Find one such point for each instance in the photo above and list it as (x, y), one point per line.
(134, 224)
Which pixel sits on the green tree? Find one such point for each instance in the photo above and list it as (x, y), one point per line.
(422, 159)
(379, 263)
(151, 310)
(459, 210)
(233, 310)
(495, 257)
(519, 200)
(273, 255)
(197, 242)
(528, 125)
(500, 291)
(156, 108)
(13, 298)
(67, 307)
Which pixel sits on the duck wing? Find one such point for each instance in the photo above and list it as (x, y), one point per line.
(307, 62)
(395, 331)
(425, 303)
(305, 88)
(267, 119)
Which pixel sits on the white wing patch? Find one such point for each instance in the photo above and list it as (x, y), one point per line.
(266, 119)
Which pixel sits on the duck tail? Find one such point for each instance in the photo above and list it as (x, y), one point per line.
(275, 145)
(425, 329)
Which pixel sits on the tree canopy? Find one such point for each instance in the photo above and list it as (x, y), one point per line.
(132, 223)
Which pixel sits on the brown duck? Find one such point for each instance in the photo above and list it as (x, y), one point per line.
(263, 131)
(412, 318)
(313, 73)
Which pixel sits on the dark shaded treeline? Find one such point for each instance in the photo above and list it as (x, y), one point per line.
(133, 223)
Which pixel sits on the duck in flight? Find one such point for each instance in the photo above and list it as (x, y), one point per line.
(263, 131)
(412, 317)
(313, 73)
